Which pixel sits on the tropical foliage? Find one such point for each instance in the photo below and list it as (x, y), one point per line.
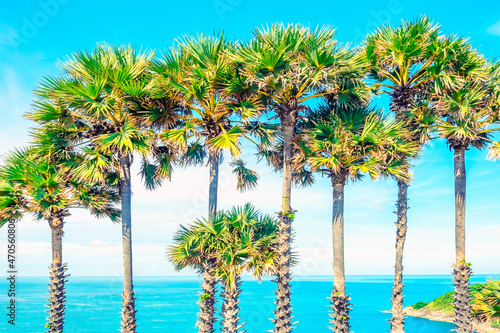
(410, 63)
(34, 184)
(486, 305)
(345, 144)
(99, 100)
(297, 94)
(468, 115)
(290, 66)
(199, 81)
(234, 241)
(485, 302)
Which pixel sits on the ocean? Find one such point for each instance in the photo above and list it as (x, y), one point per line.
(168, 304)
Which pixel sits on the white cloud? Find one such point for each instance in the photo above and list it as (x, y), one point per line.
(93, 247)
(100, 243)
(494, 29)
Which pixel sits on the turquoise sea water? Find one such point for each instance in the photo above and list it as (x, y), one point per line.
(168, 304)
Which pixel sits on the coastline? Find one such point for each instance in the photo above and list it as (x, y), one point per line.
(436, 315)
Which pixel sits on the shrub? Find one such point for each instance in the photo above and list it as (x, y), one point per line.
(487, 302)
(445, 302)
(419, 305)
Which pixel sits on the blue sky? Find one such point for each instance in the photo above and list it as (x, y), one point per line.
(35, 34)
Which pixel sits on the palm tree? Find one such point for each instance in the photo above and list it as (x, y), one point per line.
(345, 144)
(101, 97)
(468, 115)
(195, 247)
(234, 241)
(198, 80)
(290, 65)
(36, 185)
(407, 63)
(250, 245)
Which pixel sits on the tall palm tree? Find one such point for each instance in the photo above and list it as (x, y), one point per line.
(36, 185)
(407, 63)
(467, 121)
(198, 79)
(351, 93)
(344, 144)
(101, 97)
(290, 65)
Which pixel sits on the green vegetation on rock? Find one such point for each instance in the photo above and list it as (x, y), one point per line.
(485, 301)
(419, 305)
(445, 302)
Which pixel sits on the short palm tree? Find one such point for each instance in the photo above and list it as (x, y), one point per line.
(408, 62)
(36, 185)
(234, 241)
(344, 144)
(250, 245)
(197, 79)
(101, 98)
(195, 247)
(290, 66)
(467, 121)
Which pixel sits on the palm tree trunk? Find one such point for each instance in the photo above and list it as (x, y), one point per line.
(206, 318)
(57, 290)
(128, 324)
(401, 101)
(340, 301)
(283, 313)
(213, 160)
(207, 315)
(231, 309)
(398, 318)
(462, 272)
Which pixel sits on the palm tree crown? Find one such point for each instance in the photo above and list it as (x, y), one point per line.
(100, 99)
(198, 78)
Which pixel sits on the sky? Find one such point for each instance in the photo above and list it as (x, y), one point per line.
(35, 35)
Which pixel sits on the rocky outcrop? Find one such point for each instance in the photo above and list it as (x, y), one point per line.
(449, 317)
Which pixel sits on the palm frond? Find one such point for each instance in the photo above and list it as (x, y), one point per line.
(247, 179)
